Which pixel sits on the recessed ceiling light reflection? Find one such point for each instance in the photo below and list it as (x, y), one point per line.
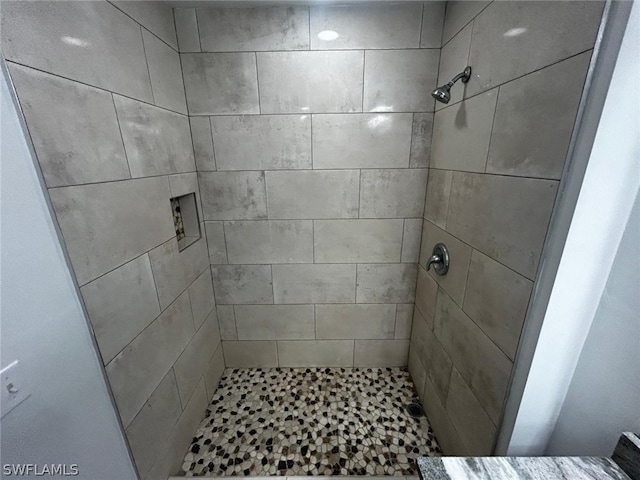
(383, 108)
(76, 42)
(378, 121)
(514, 32)
(328, 35)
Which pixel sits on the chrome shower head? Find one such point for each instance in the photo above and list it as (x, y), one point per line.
(442, 94)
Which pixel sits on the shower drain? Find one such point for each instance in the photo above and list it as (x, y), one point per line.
(415, 410)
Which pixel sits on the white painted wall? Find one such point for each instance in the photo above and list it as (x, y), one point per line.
(611, 183)
(604, 396)
(69, 417)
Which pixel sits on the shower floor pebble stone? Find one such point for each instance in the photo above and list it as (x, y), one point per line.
(311, 421)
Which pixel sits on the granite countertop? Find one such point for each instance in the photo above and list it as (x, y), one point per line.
(519, 468)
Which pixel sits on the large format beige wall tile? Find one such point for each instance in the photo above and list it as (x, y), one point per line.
(157, 141)
(366, 26)
(93, 218)
(454, 57)
(121, 304)
(275, 322)
(474, 426)
(447, 435)
(314, 283)
(168, 272)
(91, 42)
(411, 240)
(74, 129)
(367, 140)
(154, 423)
(265, 142)
(435, 361)
(426, 293)
(316, 353)
(381, 353)
(201, 296)
(187, 29)
(454, 282)
(216, 243)
(171, 456)
(461, 134)
(233, 195)
(227, 322)
(250, 354)
(310, 82)
(194, 258)
(404, 320)
(313, 194)
(165, 73)
(153, 15)
(235, 284)
(136, 371)
(214, 372)
(390, 193)
(536, 144)
(436, 205)
(416, 371)
(432, 23)
(484, 366)
(386, 283)
(496, 300)
(220, 83)
(355, 321)
(510, 40)
(202, 144)
(236, 29)
(194, 360)
(269, 241)
(421, 140)
(460, 13)
(515, 236)
(385, 70)
(353, 241)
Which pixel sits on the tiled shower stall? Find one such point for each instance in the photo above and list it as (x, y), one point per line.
(323, 174)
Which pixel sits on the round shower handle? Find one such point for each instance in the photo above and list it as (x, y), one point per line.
(439, 259)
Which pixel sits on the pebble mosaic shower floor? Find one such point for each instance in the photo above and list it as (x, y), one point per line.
(311, 421)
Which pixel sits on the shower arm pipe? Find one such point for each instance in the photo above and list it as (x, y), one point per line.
(464, 76)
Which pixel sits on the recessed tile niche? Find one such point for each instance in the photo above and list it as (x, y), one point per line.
(185, 220)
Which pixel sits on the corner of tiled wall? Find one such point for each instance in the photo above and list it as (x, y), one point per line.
(105, 107)
(496, 160)
(312, 158)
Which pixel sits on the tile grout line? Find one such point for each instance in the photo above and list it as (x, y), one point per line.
(213, 145)
(144, 51)
(493, 87)
(102, 89)
(421, 25)
(309, 24)
(493, 123)
(235, 322)
(364, 64)
(195, 14)
(136, 21)
(124, 149)
(395, 323)
(404, 226)
(317, 50)
(255, 55)
(465, 25)
(313, 240)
